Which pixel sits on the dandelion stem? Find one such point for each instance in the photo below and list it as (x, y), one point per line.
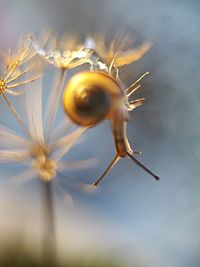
(49, 238)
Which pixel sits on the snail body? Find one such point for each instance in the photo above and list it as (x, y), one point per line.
(91, 97)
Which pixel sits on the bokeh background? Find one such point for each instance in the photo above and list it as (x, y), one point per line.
(131, 217)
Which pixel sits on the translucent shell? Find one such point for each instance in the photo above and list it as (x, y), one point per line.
(90, 97)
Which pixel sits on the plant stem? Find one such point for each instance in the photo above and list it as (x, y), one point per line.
(49, 238)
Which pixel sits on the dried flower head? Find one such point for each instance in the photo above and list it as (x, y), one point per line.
(13, 69)
(41, 149)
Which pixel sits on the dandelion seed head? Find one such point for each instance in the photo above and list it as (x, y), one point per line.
(45, 168)
(12, 65)
(43, 165)
(2, 86)
(42, 146)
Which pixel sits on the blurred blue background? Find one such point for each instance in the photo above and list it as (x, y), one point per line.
(131, 215)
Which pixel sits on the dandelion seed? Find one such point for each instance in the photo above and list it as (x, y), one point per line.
(68, 54)
(121, 49)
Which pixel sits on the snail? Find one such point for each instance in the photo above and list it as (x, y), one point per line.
(91, 97)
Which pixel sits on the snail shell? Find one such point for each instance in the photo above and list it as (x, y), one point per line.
(91, 97)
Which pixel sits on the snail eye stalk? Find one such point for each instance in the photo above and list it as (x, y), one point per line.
(115, 160)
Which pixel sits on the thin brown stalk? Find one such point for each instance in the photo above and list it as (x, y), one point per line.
(49, 234)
